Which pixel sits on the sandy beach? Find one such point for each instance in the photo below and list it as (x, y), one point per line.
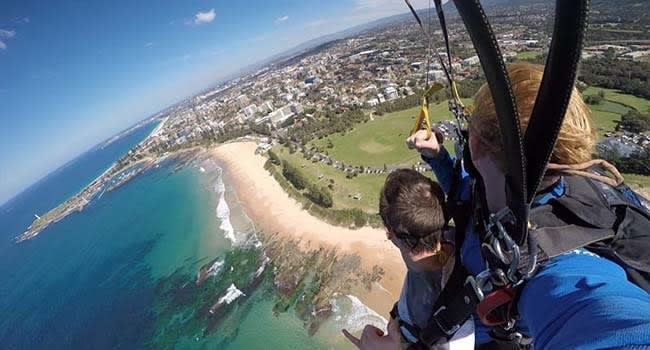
(271, 208)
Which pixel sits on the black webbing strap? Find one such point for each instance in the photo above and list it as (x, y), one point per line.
(457, 300)
(445, 34)
(441, 17)
(495, 72)
(413, 329)
(556, 88)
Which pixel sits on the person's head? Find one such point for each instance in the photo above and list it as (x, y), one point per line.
(411, 207)
(575, 141)
(577, 136)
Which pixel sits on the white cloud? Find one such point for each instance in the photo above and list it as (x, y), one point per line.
(6, 34)
(281, 19)
(204, 17)
(20, 20)
(149, 44)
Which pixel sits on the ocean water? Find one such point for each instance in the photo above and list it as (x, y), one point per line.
(123, 273)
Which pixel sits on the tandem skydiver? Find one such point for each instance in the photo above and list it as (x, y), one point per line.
(411, 206)
(577, 299)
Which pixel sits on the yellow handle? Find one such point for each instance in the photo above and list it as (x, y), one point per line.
(423, 122)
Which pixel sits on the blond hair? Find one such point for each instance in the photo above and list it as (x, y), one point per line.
(577, 136)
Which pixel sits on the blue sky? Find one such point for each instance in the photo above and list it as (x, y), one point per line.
(73, 73)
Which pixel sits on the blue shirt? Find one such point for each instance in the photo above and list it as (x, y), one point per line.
(577, 301)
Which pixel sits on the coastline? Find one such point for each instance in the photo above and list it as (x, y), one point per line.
(268, 206)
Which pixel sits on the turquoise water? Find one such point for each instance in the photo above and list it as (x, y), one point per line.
(121, 274)
(124, 272)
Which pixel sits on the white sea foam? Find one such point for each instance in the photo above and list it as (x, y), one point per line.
(354, 315)
(223, 211)
(232, 293)
(223, 214)
(215, 268)
(261, 269)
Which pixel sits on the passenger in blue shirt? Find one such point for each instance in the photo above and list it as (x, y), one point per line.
(577, 300)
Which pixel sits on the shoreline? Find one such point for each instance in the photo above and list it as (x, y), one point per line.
(268, 206)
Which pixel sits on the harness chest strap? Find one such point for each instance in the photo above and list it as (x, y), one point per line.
(455, 305)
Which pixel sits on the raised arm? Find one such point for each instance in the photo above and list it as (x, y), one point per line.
(442, 163)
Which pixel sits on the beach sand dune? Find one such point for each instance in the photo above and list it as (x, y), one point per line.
(271, 209)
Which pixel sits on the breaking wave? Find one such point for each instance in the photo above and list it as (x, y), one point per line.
(223, 210)
(232, 293)
(350, 313)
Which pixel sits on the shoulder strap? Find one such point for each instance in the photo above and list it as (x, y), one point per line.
(456, 303)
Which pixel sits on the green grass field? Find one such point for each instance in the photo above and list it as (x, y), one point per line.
(382, 140)
(638, 103)
(610, 110)
(367, 186)
(528, 55)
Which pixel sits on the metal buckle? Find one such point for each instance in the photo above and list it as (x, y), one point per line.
(498, 234)
(476, 288)
(449, 331)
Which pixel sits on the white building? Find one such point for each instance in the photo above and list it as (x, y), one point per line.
(263, 147)
(436, 75)
(266, 107)
(472, 61)
(243, 101)
(391, 93)
(282, 114)
(250, 111)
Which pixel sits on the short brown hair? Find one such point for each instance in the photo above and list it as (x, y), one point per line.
(577, 135)
(412, 208)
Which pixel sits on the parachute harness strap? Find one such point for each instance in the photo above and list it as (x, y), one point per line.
(456, 106)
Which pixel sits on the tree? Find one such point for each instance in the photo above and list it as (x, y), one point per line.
(320, 196)
(594, 99)
(274, 158)
(634, 121)
(636, 163)
(294, 175)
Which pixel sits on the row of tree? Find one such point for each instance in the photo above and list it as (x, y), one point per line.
(637, 163)
(631, 77)
(318, 195)
(634, 121)
(327, 123)
(466, 89)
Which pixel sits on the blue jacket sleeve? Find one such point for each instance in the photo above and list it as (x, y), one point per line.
(443, 167)
(582, 301)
